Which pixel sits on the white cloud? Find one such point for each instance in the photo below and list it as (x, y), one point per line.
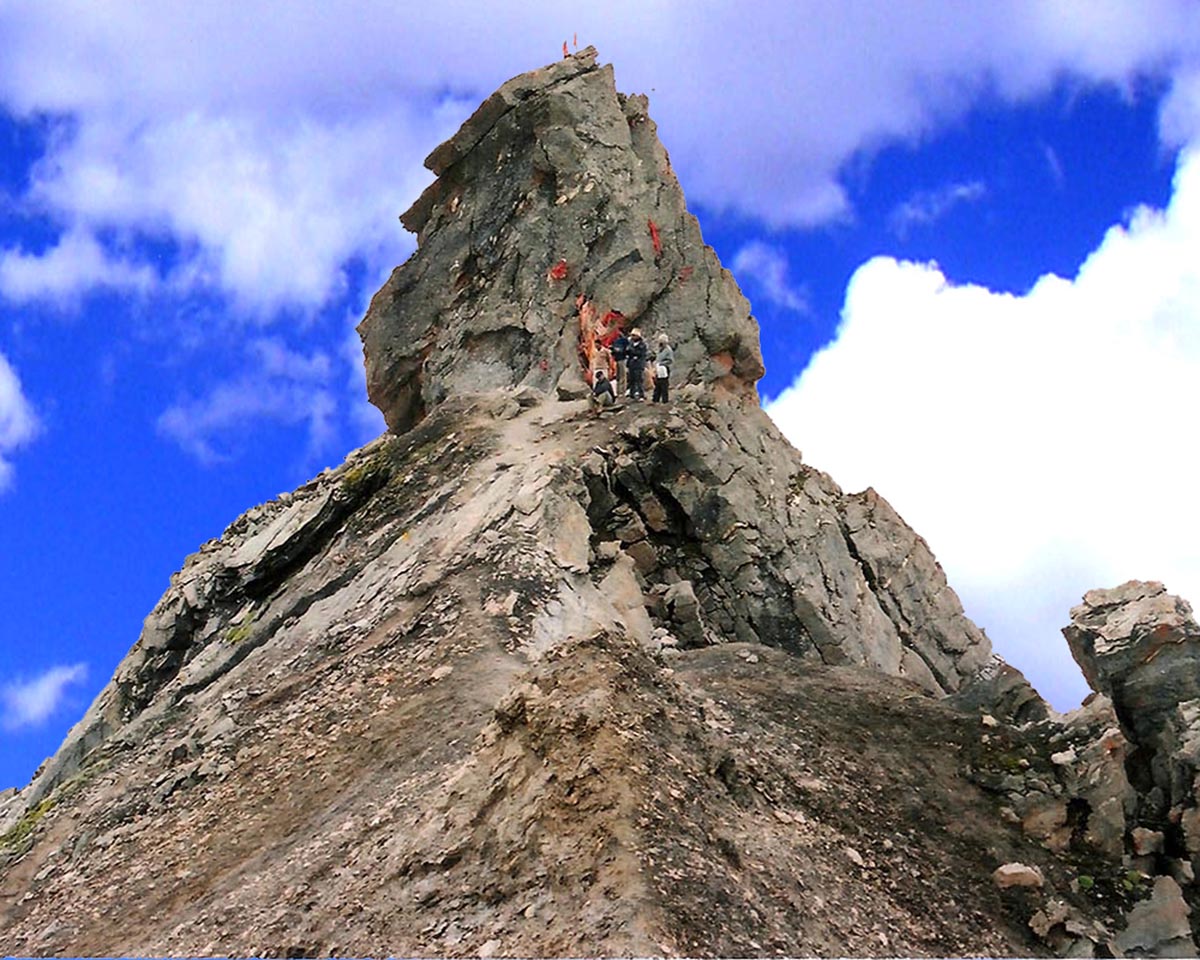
(18, 423)
(76, 264)
(927, 207)
(1179, 119)
(275, 143)
(764, 268)
(1043, 444)
(278, 384)
(29, 703)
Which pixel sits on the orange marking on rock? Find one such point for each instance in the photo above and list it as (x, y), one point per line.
(655, 238)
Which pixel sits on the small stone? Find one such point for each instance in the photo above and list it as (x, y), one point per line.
(1183, 872)
(1017, 875)
(855, 857)
(1146, 842)
(441, 673)
(989, 721)
(1064, 759)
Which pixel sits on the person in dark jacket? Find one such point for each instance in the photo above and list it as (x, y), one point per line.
(635, 363)
(664, 356)
(602, 390)
(617, 349)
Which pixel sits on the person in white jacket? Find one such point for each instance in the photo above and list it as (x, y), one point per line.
(664, 356)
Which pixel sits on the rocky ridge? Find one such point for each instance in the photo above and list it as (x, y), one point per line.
(517, 679)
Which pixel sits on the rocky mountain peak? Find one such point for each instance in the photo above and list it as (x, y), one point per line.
(555, 219)
(525, 678)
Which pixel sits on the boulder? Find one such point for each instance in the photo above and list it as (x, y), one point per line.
(1017, 875)
(1140, 646)
(1158, 926)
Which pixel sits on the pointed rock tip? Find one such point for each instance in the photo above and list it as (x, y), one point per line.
(510, 93)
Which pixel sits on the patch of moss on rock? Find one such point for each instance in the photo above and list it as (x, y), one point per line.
(239, 633)
(18, 837)
(364, 479)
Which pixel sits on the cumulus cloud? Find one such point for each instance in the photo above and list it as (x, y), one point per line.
(276, 143)
(926, 207)
(29, 703)
(1042, 443)
(18, 423)
(277, 385)
(764, 268)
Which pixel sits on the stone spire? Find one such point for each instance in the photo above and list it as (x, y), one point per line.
(554, 219)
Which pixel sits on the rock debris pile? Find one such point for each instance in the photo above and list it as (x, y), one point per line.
(518, 679)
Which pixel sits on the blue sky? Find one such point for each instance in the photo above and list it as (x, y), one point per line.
(969, 233)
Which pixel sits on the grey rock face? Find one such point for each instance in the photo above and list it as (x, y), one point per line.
(555, 208)
(1002, 690)
(1141, 646)
(772, 551)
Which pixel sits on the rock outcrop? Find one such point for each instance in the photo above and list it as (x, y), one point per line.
(521, 678)
(1140, 646)
(1114, 787)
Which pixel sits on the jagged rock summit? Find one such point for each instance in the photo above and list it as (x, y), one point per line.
(516, 679)
(555, 206)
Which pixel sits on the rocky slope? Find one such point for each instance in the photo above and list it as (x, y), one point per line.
(518, 679)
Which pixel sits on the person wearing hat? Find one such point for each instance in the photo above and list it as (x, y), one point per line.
(664, 356)
(635, 363)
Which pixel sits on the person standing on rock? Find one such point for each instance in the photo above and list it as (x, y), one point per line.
(635, 364)
(617, 350)
(663, 358)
